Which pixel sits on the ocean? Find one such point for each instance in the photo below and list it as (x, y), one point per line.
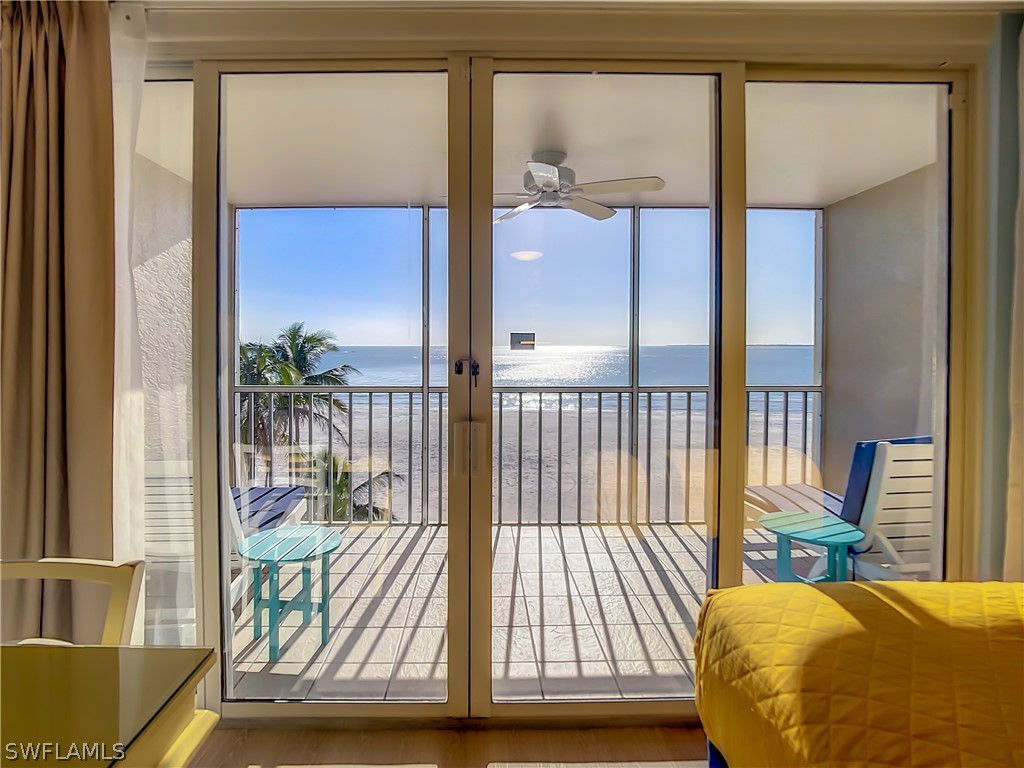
(566, 366)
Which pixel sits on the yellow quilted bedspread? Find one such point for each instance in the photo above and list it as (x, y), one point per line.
(866, 673)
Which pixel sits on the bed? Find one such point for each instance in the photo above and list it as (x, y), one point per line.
(863, 673)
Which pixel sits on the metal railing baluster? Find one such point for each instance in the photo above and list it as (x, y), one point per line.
(559, 462)
(785, 437)
(350, 470)
(370, 454)
(746, 444)
(540, 457)
(271, 418)
(803, 439)
(330, 458)
(764, 442)
(285, 407)
(668, 456)
(579, 458)
(501, 456)
(408, 479)
(600, 454)
(686, 458)
(291, 437)
(252, 432)
(618, 459)
(648, 494)
(391, 458)
(440, 455)
(312, 459)
(519, 464)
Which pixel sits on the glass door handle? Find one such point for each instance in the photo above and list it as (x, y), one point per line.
(474, 368)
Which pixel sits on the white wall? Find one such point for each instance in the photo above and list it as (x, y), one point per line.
(162, 267)
(884, 315)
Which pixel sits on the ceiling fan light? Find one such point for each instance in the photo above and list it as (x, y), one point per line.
(526, 255)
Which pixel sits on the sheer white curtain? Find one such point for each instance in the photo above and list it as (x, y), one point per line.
(153, 512)
(162, 280)
(128, 69)
(1013, 563)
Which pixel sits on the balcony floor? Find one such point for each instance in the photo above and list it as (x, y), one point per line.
(599, 612)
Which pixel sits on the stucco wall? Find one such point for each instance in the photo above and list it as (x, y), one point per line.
(884, 265)
(162, 269)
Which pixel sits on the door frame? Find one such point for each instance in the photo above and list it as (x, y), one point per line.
(212, 366)
(964, 290)
(724, 471)
(471, 162)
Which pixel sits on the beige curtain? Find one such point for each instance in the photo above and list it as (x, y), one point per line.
(1013, 562)
(57, 293)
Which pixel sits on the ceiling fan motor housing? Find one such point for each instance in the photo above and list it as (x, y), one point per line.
(566, 181)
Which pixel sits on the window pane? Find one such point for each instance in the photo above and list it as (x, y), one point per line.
(355, 272)
(573, 298)
(600, 539)
(162, 284)
(338, 446)
(847, 329)
(782, 296)
(675, 290)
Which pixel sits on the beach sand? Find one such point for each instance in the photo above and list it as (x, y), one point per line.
(536, 475)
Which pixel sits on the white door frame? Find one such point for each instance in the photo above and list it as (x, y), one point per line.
(470, 202)
(728, 287)
(212, 367)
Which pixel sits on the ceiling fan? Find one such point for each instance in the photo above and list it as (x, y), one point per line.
(549, 184)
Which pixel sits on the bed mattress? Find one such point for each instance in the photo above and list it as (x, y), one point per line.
(863, 673)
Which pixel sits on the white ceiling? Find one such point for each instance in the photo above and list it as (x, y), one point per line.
(345, 139)
(611, 127)
(374, 138)
(816, 143)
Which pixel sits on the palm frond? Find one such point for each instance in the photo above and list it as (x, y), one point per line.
(291, 359)
(334, 377)
(379, 483)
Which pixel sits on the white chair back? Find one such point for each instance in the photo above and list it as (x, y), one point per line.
(125, 581)
(898, 516)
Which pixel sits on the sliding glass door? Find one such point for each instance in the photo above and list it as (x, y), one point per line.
(596, 254)
(335, 515)
(512, 367)
(847, 317)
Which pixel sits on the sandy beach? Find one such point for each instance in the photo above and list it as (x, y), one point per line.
(570, 462)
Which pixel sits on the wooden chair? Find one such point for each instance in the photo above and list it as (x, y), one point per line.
(897, 516)
(125, 581)
(888, 496)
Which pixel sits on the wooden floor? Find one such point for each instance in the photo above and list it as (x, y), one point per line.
(578, 748)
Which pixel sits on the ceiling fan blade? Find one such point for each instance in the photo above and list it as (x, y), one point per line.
(639, 184)
(588, 208)
(545, 175)
(516, 211)
(520, 195)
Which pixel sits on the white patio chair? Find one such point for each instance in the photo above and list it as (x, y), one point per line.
(898, 516)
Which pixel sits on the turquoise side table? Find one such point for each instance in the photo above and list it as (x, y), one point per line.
(820, 528)
(290, 544)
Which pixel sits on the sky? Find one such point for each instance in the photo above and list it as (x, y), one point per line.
(357, 272)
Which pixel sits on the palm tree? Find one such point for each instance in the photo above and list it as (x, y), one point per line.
(347, 499)
(291, 359)
(267, 420)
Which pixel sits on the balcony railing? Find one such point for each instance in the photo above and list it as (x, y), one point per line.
(783, 435)
(561, 455)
